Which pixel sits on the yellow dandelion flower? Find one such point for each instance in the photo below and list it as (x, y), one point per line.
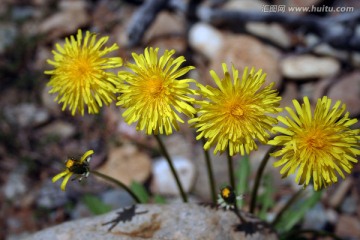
(79, 76)
(73, 166)
(152, 92)
(235, 114)
(227, 198)
(316, 146)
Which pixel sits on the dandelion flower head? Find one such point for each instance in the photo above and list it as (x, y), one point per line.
(227, 198)
(73, 166)
(235, 114)
(155, 92)
(317, 146)
(79, 76)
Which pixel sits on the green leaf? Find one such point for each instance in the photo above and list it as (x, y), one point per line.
(95, 205)
(291, 217)
(242, 174)
(159, 199)
(140, 191)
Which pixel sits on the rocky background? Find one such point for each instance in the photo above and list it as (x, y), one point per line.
(305, 54)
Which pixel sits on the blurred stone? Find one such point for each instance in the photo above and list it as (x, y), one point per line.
(348, 227)
(163, 181)
(111, 12)
(116, 198)
(8, 32)
(15, 185)
(272, 32)
(80, 211)
(296, 3)
(308, 66)
(321, 88)
(48, 101)
(355, 60)
(60, 129)
(315, 218)
(175, 42)
(26, 114)
(174, 221)
(349, 205)
(220, 171)
(50, 196)
(348, 3)
(245, 5)
(340, 193)
(127, 164)
(244, 51)
(290, 92)
(22, 13)
(205, 39)
(347, 89)
(325, 49)
(65, 22)
(166, 32)
(4, 7)
(42, 55)
(307, 89)
(178, 145)
(71, 5)
(332, 216)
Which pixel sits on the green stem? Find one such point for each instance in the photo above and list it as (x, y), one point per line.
(210, 173)
(231, 169)
(167, 157)
(118, 183)
(258, 178)
(316, 233)
(286, 207)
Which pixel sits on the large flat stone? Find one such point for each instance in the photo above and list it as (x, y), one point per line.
(172, 221)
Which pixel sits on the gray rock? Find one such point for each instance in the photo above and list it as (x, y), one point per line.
(22, 13)
(15, 185)
(205, 39)
(163, 180)
(26, 114)
(80, 211)
(177, 221)
(347, 90)
(309, 66)
(315, 218)
(60, 129)
(349, 205)
(273, 32)
(50, 195)
(116, 198)
(8, 33)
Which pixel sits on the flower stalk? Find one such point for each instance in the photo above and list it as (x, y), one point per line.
(287, 206)
(210, 173)
(172, 168)
(230, 170)
(118, 183)
(258, 177)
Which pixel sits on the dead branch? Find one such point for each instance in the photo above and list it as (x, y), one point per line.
(143, 18)
(337, 31)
